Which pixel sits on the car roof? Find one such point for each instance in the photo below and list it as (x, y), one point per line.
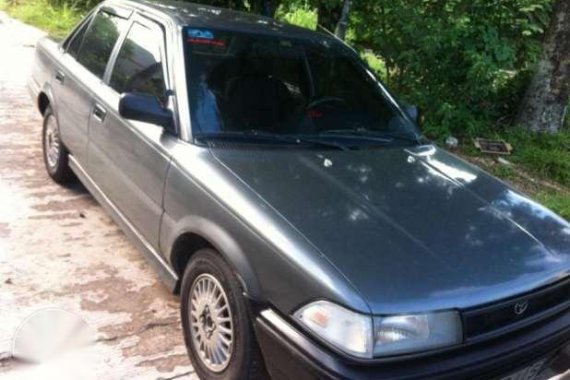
(204, 16)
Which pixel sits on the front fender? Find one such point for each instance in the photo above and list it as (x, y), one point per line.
(274, 261)
(218, 238)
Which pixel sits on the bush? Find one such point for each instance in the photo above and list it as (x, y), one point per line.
(465, 62)
(302, 16)
(75, 4)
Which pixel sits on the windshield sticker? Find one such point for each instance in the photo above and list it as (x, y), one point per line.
(314, 114)
(200, 33)
(200, 41)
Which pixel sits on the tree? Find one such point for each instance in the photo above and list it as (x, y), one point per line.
(343, 21)
(328, 13)
(545, 102)
(265, 7)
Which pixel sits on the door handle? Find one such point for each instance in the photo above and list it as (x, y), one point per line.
(99, 112)
(59, 77)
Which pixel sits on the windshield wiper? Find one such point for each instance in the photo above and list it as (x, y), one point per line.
(386, 137)
(262, 136)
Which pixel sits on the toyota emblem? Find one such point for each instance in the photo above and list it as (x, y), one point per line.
(520, 307)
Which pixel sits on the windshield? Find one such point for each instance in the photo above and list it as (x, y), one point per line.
(253, 85)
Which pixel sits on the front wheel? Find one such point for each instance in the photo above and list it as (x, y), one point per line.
(56, 156)
(215, 320)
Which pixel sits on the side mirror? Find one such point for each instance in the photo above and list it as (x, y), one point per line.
(146, 108)
(414, 113)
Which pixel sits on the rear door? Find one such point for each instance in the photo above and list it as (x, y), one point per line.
(85, 58)
(129, 159)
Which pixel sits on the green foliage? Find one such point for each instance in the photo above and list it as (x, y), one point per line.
(301, 15)
(375, 63)
(57, 20)
(465, 62)
(75, 4)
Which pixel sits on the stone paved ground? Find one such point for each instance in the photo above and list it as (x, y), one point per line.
(58, 249)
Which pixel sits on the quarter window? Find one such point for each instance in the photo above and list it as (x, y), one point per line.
(139, 65)
(76, 39)
(99, 41)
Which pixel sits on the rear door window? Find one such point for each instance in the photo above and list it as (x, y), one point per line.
(99, 41)
(138, 67)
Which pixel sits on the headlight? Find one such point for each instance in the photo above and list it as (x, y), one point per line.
(363, 336)
(347, 330)
(402, 334)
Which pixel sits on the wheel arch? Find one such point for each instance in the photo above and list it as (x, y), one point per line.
(45, 99)
(43, 102)
(200, 233)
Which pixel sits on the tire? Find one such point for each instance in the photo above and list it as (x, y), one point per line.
(56, 156)
(205, 272)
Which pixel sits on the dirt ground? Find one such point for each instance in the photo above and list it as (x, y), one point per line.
(58, 249)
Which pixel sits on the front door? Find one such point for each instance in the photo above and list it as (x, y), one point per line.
(128, 159)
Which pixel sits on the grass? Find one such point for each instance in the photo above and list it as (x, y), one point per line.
(540, 166)
(546, 155)
(550, 194)
(556, 201)
(57, 21)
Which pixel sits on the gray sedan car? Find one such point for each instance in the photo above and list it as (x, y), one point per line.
(308, 226)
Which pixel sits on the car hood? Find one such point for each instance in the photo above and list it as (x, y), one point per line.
(411, 229)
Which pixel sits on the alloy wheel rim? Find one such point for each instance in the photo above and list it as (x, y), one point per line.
(52, 142)
(211, 323)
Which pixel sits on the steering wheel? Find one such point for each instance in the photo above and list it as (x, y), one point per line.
(324, 99)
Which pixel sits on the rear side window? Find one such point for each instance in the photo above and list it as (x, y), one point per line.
(99, 41)
(138, 67)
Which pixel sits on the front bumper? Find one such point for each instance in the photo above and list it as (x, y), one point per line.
(290, 354)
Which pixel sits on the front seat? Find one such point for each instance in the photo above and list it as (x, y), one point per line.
(258, 101)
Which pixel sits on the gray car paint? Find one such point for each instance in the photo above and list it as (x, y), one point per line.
(412, 229)
(73, 95)
(380, 231)
(276, 263)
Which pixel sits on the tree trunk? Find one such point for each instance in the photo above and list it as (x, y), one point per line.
(343, 22)
(327, 15)
(265, 7)
(545, 103)
(272, 7)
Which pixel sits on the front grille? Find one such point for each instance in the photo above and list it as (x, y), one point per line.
(516, 312)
